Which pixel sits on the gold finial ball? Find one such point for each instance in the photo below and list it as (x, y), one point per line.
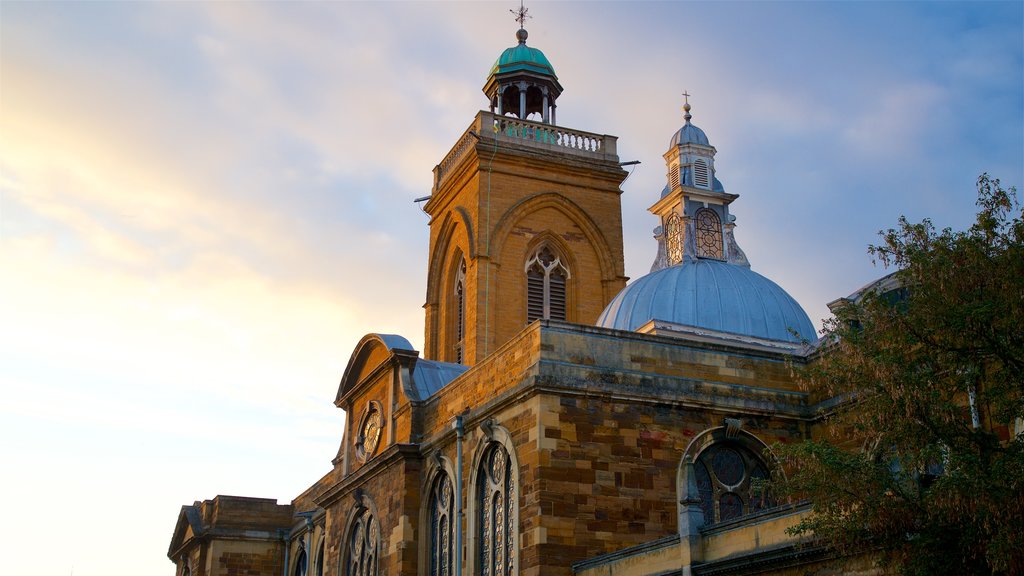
(686, 107)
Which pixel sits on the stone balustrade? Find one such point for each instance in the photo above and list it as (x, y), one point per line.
(511, 130)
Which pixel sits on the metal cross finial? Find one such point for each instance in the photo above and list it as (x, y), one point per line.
(521, 14)
(687, 96)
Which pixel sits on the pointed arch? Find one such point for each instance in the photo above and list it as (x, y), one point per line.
(361, 541)
(548, 268)
(493, 505)
(590, 229)
(439, 515)
(445, 238)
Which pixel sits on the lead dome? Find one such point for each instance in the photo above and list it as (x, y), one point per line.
(713, 295)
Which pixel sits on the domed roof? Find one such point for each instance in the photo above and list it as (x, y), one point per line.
(522, 58)
(710, 294)
(689, 134)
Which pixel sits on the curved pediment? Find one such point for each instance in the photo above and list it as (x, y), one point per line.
(372, 351)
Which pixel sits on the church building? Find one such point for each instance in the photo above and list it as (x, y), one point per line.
(559, 421)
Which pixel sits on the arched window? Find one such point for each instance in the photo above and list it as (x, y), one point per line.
(442, 508)
(709, 234)
(731, 480)
(674, 239)
(320, 559)
(300, 563)
(459, 311)
(546, 278)
(496, 519)
(362, 545)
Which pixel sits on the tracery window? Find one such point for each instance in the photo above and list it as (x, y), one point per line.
(731, 480)
(674, 239)
(362, 545)
(496, 500)
(709, 234)
(459, 305)
(546, 278)
(441, 525)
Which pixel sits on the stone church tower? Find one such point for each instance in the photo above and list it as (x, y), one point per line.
(525, 218)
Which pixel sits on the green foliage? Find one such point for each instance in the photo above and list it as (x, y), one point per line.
(918, 462)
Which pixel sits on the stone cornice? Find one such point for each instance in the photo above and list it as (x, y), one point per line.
(390, 456)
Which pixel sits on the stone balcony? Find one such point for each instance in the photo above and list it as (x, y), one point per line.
(493, 130)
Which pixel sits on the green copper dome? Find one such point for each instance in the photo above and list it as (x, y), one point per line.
(522, 58)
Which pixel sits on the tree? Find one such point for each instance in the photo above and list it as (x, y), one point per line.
(918, 461)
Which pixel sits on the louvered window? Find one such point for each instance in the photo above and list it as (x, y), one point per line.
(709, 234)
(673, 176)
(700, 174)
(459, 301)
(546, 279)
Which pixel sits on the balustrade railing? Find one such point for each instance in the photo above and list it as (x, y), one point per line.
(509, 129)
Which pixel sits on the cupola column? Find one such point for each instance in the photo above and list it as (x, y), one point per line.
(553, 106)
(546, 113)
(522, 100)
(501, 90)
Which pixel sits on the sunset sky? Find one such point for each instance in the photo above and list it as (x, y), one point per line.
(204, 206)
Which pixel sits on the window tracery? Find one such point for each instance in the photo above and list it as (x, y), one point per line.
(496, 498)
(441, 526)
(459, 305)
(731, 480)
(362, 545)
(709, 234)
(546, 278)
(674, 239)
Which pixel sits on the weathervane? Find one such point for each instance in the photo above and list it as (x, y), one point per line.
(521, 14)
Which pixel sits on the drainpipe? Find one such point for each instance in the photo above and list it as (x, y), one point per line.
(284, 540)
(459, 432)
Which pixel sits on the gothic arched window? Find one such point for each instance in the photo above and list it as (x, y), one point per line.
(300, 563)
(362, 545)
(546, 279)
(731, 480)
(320, 559)
(709, 234)
(496, 500)
(459, 311)
(442, 508)
(674, 239)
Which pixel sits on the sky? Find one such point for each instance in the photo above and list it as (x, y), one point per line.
(204, 206)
